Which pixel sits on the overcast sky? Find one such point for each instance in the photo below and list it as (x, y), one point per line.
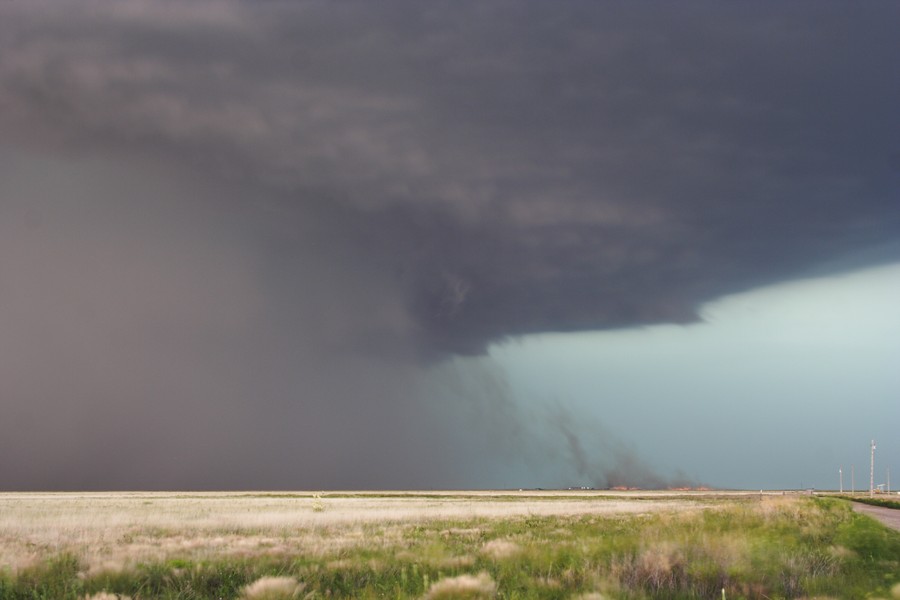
(349, 244)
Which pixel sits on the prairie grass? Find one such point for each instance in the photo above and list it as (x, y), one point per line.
(884, 502)
(453, 546)
(272, 588)
(463, 586)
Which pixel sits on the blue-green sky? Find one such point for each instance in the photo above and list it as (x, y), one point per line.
(777, 387)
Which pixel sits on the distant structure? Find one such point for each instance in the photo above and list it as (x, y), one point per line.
(872, 472)
(841, 476)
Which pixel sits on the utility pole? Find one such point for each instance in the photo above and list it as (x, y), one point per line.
(852, 479)
(872, 472)
(888, 469)
(841, 475)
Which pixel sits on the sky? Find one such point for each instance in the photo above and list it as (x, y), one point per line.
(356, 245)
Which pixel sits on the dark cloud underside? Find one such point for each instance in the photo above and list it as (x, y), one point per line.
(524, 167)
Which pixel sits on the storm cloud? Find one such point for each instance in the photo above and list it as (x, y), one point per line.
(234, 200)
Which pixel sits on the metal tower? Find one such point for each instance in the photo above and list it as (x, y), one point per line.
(872, 472)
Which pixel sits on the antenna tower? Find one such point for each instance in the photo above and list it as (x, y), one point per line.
(872, 472)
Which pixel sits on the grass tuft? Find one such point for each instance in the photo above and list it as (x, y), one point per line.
(501, 549)
(272, 588)
(463, 586)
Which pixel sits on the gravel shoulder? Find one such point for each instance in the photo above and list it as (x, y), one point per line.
(888, 516)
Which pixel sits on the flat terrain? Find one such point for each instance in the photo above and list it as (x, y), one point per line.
(113, 530)
(526, 544)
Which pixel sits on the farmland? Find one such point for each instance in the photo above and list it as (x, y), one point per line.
(578, 544)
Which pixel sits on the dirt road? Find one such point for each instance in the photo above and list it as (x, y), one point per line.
(888, 516)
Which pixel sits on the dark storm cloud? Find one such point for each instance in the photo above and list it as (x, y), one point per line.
(229, 230)
(524, 167)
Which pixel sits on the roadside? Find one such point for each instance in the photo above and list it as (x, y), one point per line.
(888, 516)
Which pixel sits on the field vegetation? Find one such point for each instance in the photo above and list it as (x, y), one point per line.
(516, 545)
(884, 502)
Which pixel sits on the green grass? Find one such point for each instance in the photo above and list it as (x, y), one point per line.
(878, 502)
(805, 548)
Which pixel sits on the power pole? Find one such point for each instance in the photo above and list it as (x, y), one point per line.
(841, 475)
(852, 479)
(888, 469)
(872, 472)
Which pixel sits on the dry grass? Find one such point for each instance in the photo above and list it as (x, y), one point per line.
(112, 531)
(440, 545)
(501, 549)
(464, 586)
(272, 588)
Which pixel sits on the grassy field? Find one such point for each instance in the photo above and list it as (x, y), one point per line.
(886, 503)
(585, 545)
